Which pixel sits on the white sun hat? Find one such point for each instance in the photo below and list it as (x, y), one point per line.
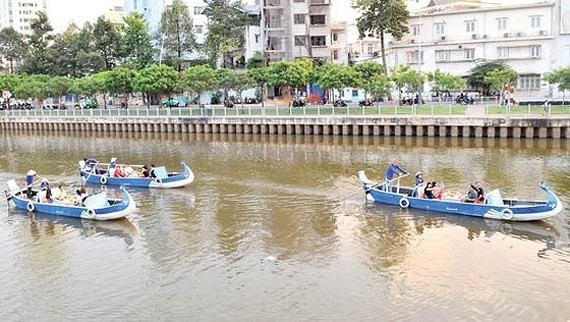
(113, 159)
(418, 173)
(31, 173)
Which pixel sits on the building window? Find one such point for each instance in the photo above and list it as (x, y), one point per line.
(335, 54)
(299, 18)
(354, 92)
(416, 30)
(469, 54)
(529, 82)
(300, 40)
(503, 52)
(334, 37)
(442, 55)
(198, 29)
(299, 1)
(535, 21)
(257, 38)
(502, 23)
(470, 26)
(535, 51)
(370, 49)
(318, 41)
(413, 57)
(198, 10)
(439, 28)
(318, 20)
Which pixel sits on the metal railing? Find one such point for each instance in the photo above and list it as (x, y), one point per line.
(312, 110)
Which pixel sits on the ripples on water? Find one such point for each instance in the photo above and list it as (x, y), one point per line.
(277, 228)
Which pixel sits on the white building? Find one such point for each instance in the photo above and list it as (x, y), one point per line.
(453, 36)
(19, 14)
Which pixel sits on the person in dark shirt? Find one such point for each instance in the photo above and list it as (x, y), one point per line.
(429, 191)
(480, 192)
(471, 195)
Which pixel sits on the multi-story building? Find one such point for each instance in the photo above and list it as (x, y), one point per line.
(339, 43)
(453, 36)
(19, 14)
(296, 28)
(115, 16)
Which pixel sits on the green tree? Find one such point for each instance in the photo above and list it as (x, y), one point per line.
(240, 81)
(561, 77)
(34, 87)
(36, 58)
(107, 41)
(137, 42)
(289, 74)
(445, 82)
(476, 76)
(73, 54)
(198, 79)
(259, 76)
(406, 78)
(256, 61)
(379, 85)
(498, 79)
(59, 86)
(9, 81)
(156, 80)
(367, 71)
(119, 81)
(12, 46)
(381, 17)
(226, 30)
(175, 33)
(335, 76)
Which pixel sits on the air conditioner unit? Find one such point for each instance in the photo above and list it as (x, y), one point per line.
(520, 34)
(507, 35)
(443, 38)
(412, 41)
(460, 46)
(474, 36)
(542, 32)
(484, 36)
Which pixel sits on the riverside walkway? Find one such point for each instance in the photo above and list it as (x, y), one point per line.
(432, 121)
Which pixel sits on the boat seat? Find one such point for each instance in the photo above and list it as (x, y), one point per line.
(13, 186)
(160, 172)
(97, 201)
(494, 198)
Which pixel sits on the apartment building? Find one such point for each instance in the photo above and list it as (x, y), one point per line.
(453, 36)
(18, 14)
(296, 28)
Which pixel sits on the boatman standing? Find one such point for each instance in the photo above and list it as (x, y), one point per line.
(393, 171)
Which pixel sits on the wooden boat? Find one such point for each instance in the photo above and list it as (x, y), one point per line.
(494, 206)
(102, 174)
(97, 206)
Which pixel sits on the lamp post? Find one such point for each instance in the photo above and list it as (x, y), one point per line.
(161, 49)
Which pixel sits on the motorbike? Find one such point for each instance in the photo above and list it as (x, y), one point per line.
(298, 102)
(365, 102)
(339, 103)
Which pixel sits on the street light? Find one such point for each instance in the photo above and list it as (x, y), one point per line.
(161, 49)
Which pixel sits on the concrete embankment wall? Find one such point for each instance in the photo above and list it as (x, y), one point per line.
(433, 126)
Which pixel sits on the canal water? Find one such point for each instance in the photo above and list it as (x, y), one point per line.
(277, 228)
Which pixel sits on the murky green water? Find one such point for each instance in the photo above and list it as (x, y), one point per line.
(276, 228)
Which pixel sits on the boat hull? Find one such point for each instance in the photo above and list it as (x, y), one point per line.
(174, 180)
(118, 209)
(512, 210)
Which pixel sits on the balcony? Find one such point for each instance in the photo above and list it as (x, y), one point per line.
(273, 3)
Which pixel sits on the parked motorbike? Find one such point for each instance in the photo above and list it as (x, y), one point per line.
(229, 104)
(339, 103)
(298, 102)
(365, 102)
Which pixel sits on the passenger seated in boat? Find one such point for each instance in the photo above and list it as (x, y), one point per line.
(145, 173)
(430, 190)
(420, 185)
(480, 192)
(151, 172)
(471, 195)
(45, 192)
(118, 173)
(81, 195)
(129, 171)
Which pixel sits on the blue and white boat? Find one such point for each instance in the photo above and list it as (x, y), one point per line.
(494, 206)
(97, 206)
(97, 173)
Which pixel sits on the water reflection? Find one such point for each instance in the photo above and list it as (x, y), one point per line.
(41, 226)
